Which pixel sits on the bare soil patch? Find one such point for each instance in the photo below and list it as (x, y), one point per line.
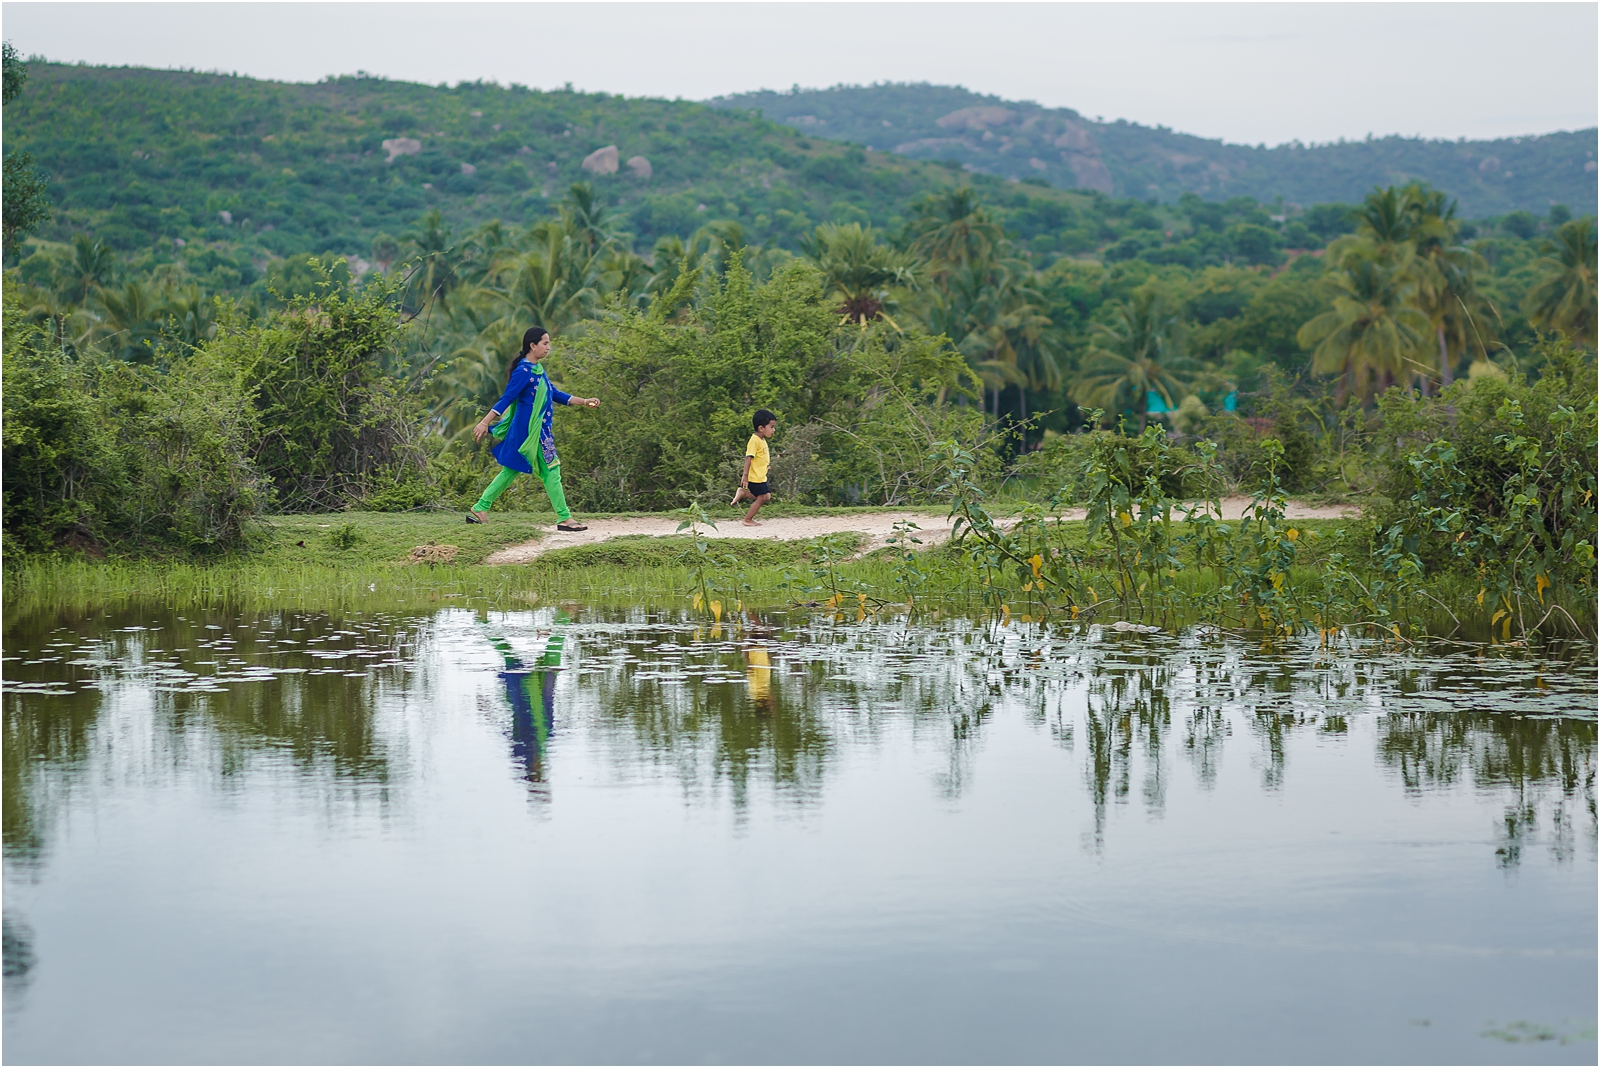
(875, 526)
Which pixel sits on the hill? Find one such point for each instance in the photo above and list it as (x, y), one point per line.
(1014, 139)
(144, 157)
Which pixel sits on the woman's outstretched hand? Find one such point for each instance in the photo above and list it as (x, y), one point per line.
(480, 431)
(589, 402)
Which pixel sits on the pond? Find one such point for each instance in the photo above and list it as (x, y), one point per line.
(570, 834)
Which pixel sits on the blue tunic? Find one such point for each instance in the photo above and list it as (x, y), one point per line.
(529, 396)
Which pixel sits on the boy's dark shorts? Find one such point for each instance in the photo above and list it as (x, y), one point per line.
(759, 489)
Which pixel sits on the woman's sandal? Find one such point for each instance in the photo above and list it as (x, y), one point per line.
(570, 527)
(474, 517)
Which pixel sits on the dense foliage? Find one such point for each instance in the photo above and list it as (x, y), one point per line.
(1022, 140)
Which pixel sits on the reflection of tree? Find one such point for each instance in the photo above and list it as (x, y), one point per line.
(40, 733)
(320, 722)
(1538, 759)
(1123, 708)
(720, 729)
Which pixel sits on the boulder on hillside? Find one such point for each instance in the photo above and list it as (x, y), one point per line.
(401, 146)
(1074, 138)
(640, 167)
(979, 118)
(468, 169)
(1089, 170)
(601, 160)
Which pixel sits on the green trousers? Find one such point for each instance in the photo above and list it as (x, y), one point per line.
(550, 476)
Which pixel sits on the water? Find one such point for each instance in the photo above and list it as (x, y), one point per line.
(573, 836)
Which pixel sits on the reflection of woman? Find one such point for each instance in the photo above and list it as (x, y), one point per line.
(525, 414)
(531, 693)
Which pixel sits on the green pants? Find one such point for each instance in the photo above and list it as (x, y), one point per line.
(550, 476)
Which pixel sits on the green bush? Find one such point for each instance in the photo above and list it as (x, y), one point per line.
(1497, 475)
(333, 421)
(100, 452)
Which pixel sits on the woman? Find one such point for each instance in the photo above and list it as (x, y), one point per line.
(524, 413)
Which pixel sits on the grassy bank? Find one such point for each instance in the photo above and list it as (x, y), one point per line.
(368, 559)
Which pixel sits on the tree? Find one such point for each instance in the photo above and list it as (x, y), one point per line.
(90, 269)
(24, 203)
(954, 229)
(1445, 272)
(1372, 334)
(130, 320)
(16, 71)
(433, 274)
(858, 271)
(1139, 352)
(1563, 300)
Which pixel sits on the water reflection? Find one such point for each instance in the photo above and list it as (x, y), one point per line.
(865, 784)
(531, 693)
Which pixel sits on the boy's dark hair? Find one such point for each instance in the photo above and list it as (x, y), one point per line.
(762, 418)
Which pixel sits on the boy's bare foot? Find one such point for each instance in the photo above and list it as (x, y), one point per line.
(752, 522)
(736, 497)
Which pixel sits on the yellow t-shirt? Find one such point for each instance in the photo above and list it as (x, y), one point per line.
(759, 457)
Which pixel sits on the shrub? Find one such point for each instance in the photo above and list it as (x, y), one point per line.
(333, 422)
(102, 452)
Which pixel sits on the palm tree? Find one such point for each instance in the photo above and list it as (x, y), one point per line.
(588, 218)
(857, 271)
(1372, 335)
(1139, 352)
(1445, 272)
(953, 230)
(1563, 300)
(130, 320)
(433, 274)
(91, 267)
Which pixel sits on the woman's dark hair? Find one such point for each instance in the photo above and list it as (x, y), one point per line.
(762, 418)
(532, 337)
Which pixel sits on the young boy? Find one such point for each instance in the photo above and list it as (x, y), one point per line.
(753, 483)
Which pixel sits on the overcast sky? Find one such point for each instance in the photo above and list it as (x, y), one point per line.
(1247, 73)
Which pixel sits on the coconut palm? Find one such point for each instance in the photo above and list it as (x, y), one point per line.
(859, 272)
(91, 267)
(1139, 352)
(131, 318)
(953, 230)
(1563, 300)
(1445, 272)
(1372, 336)
(432, 263)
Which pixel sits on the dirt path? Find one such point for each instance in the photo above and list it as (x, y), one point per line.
(877, 526)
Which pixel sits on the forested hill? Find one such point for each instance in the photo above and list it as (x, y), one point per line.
(1021, 139)
(139, 156)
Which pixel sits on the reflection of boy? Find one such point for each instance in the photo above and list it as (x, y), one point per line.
(758, 673)
(753, 481)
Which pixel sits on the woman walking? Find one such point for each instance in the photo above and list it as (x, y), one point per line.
(525, 417)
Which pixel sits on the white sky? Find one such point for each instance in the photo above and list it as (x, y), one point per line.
(1260, 72)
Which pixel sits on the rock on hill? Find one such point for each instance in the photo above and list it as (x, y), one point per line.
(1021, 139)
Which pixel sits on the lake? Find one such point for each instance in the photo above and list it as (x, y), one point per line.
(570, 834)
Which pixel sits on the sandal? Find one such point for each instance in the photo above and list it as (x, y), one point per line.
(570, 527)
(474, 517)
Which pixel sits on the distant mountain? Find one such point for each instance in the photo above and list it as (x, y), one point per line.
(143, 157)
(1018, 140)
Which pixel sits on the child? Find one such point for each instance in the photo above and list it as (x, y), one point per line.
(753, 483)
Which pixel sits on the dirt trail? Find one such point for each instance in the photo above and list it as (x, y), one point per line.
(877, 526)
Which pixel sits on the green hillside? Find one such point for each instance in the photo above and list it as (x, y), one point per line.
(1021, 139)
(140, 156)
